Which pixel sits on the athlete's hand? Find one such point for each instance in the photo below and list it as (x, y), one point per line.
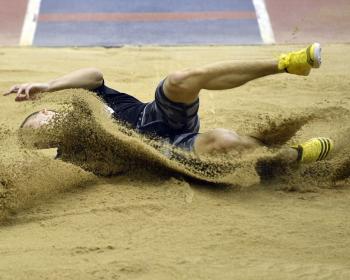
(27, 91)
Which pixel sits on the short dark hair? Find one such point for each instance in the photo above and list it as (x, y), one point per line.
(31, 115)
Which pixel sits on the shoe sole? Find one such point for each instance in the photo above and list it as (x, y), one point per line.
(314, 59)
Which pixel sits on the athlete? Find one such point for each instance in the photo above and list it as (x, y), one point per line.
(173, 113)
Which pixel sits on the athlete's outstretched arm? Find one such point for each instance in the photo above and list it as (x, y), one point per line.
(87, 78)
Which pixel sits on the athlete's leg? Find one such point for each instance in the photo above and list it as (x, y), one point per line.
(184, 86)
(223, 141)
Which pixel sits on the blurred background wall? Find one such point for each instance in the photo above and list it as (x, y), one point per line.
(168, 22)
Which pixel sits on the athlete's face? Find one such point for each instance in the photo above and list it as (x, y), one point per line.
(38, 120)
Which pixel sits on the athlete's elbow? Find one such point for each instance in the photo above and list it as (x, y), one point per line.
(96, 77)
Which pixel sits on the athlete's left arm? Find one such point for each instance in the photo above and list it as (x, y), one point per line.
(87, 78)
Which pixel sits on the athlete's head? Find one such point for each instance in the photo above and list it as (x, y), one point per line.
(38, 119)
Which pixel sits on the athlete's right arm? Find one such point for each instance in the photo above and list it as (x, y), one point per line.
(87, 78)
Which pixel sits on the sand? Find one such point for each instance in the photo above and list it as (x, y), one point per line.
(61, 221)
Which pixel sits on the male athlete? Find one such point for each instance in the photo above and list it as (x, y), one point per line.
(173, 113)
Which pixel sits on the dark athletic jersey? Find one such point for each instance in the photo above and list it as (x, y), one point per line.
(126, 107)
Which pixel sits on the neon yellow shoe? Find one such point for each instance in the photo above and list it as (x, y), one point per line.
(301, 62)
(314, 149)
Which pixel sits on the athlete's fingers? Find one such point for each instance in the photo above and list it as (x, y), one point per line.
(27, 90)
(21, 97)
(21, 94)
(21, 90)
(13, 89)
(18, 97)
(8, 92)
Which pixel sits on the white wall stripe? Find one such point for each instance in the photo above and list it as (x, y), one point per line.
(265, 27)
(30, 22)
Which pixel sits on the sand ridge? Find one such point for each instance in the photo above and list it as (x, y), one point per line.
(90, 138)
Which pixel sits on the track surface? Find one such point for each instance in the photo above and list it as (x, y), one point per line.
(140, 22)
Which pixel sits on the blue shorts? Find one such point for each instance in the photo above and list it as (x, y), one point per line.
(174, 121)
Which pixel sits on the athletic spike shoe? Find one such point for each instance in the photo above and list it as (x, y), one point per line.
(301, 62)
(314, 149)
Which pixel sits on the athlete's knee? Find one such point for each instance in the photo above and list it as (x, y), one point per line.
(224, 139)
(218, 140)
(183, 81)
(176, 82)
(94, 75)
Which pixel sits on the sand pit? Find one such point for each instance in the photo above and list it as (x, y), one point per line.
(156, 223)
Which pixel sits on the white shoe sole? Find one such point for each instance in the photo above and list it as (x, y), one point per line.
(317, 55)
